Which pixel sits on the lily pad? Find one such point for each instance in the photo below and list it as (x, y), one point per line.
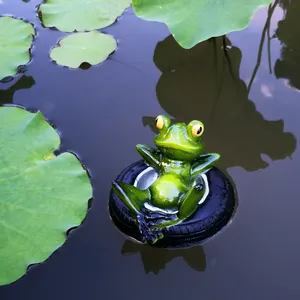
(91, 47)
(194, 21)
(15, 41)
(41, 195)
(71, 15)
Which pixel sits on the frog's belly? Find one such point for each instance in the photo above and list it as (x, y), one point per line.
(166, 191)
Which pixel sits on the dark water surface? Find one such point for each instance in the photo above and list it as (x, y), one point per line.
(103, 112)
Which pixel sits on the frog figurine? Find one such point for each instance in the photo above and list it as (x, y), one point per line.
(180, 186)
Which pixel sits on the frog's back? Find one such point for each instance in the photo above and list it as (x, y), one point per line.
(166, 190)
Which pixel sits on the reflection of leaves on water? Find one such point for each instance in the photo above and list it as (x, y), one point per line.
(288, 33)
(265, 32)
(155, 259)
(203, 84)
(6, 96)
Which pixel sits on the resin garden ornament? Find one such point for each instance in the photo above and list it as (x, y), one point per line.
(174, 196)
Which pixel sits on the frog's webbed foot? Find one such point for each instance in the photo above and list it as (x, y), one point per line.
(151, 224)
(148, 234)
(155, 218)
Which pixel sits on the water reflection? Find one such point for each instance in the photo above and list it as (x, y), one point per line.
(204, 83)
(155, 259)
(25, 82)
(288, 32)
(265, 32)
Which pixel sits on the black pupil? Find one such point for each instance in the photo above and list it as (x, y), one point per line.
(199, 130)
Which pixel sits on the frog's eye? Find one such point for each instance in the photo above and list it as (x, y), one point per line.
(159, 122)
(197, 129)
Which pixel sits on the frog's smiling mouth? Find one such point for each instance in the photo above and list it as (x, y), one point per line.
(167, 146)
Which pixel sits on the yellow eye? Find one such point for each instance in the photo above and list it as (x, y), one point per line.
(197, 130)
(159, 122)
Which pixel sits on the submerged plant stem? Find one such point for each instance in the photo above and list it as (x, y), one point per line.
(269, 46)
(261, 45)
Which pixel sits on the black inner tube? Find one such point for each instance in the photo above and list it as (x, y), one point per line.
(209, 218)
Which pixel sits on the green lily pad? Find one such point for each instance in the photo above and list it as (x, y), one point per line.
(71, 15)
(15, 41)
(91, 47)
(194, 21)
(41, 195)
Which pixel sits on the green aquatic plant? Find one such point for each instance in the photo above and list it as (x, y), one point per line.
(71, 15)
(194, 21)
(77, 15)
(92, 47)
(16, 38)
(41, 195)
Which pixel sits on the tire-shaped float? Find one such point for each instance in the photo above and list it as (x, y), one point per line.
(209, 218)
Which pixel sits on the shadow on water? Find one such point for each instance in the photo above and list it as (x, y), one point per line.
(155, 260)
(288, 33)
(25, 82)
(204, 83)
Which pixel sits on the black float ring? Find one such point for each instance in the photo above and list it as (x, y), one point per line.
(210, 217)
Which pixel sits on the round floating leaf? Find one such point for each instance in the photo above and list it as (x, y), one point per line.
(71, 15)
(15, 41)
(91, 47)
(193, 21)
(41, 195)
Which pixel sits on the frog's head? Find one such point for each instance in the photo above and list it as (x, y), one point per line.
(179, 141)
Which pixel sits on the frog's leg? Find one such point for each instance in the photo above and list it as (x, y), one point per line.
(151, 156)
(134, 199)
(131, 196)
(204, 163)
(189, 203)
(191, 198)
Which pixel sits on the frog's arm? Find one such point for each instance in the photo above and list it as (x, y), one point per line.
(151, 156)
(204, 163)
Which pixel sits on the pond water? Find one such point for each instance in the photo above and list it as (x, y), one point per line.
(103, 112)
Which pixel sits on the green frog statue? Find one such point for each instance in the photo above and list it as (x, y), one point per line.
(180, 186)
